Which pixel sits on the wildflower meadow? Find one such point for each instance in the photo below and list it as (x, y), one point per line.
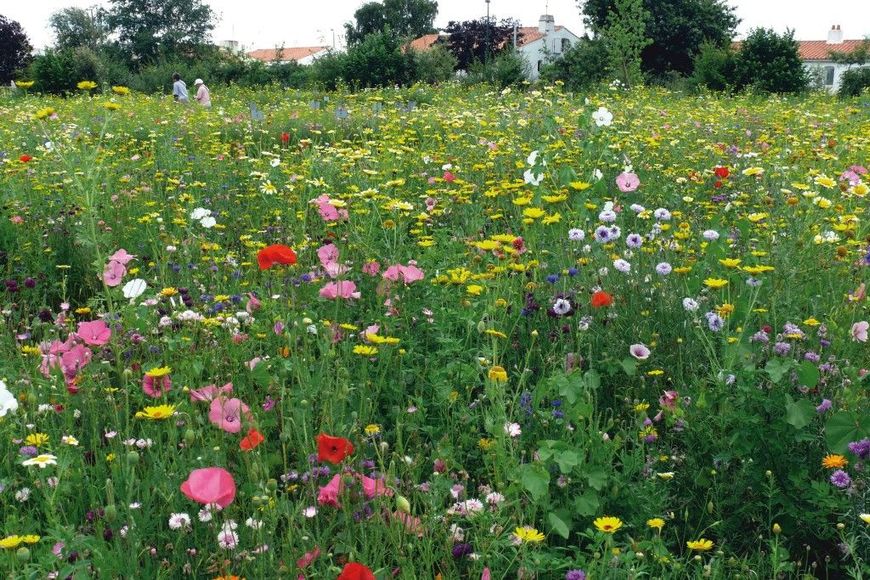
(434, 332)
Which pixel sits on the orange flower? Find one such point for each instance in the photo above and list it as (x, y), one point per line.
(276, 254)
(333, 449)
(251, 440)
(601, 299)
(834, 461)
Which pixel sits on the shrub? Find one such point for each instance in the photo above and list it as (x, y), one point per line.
(378, 61)
(714, 68)
(435, 65)
(583, 65)
(769, 63)
(507, 69)
(854, 82)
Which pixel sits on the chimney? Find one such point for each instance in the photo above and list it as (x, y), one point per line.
(546, 24)
(835, 35)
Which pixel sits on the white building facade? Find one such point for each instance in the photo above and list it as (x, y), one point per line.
(540, 45)
(815, 55)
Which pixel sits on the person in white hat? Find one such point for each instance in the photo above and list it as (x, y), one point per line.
(202, 94)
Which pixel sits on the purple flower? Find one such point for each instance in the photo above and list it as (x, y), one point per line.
(29, 451)
(575, 575)
(782, 348)
(460, 550)
(825, 405)
(841, 479)
(634, 241)
(860, 448)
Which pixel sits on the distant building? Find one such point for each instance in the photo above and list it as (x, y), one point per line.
(536, 45)
(303, 55)
(815, 54)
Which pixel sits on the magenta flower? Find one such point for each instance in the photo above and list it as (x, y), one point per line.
(74, 359)
(211, 485)
(341, 289)
(327, 254)
(371, 268)
(209, 393)
(627, 182)
(407, 274)
(227, 414)
(156, 386)
(669, 399)
(96, 333)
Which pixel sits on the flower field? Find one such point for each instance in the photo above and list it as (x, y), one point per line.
(434, 333)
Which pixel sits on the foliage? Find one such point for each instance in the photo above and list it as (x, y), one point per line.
(59, 71)
(677, 28)
(714, 68)
(148, 31)
(478, 40)
(769, 62)
(859, 56)
(624, 39)
(403, 18)
(15, 49)
(581, 66)
(378, 61)
(854, 81)
(435, 65)
(507, 69)
(74, 27)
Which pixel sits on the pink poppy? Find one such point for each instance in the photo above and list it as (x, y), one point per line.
(211, 485)
(341, 289)
(209, 393)
(859, 331)
(122, 257)
(114, 273)
(96, 333)
(227, 414)
(308, 558)
(627, 181)
(156, 386)
(373, 487)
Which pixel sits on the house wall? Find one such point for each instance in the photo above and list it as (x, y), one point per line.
(539, 50)
(821, 70)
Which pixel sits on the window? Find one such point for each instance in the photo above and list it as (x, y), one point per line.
(829, 76)
(566, 44)
(540, 64)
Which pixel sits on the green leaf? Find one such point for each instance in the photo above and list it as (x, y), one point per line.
(535, 479)
(799, 413)
(629, 365)
(597, 478)
(586, 504)
(843, 428)
(558, 525)
(808, 374)
(567, 460)
(593, 380)
(777, 368)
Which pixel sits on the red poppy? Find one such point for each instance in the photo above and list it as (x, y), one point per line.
(25, 158)
(356, 571)
(333, 449)
(251, 440)
(721, 172)
(275, 254)
(285, 137)
(601, 299)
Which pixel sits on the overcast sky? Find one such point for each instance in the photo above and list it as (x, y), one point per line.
(267, 23)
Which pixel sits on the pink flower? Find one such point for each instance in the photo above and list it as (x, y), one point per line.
(308, 558)
(373, 487)
(227, 414)
(408, 274)
(449, 177)
(122, 257)
(669, 399)
(210, 392)
(253, 303)
(113, 273)
(211, 485)
(859, 331)
(371, 268)
(639, 351)
(156, 386)
(74, 359)
(627, 182)
(371, 329)
(327, 211)
(341, 289)
(327, 254)
(328, 494)
(96, 333)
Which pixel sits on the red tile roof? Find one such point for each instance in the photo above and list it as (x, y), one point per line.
(525, 35)
(809, 50)
(296, 53)
(424, 42)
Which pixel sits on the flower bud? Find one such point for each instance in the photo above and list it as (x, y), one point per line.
(23, 554)
(132, 457)
(110, 512)
(776, 529)
(403, 504)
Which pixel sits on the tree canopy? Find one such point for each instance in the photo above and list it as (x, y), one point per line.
(677, 29)
(770, 62)
(15, 49)
(75, 27)
(476, 40)
(401, 18)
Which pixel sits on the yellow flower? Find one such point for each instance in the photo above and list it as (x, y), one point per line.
(533, 212)
(86, 85)
(44, 113)
(158, 372)
(36, 439)
(121, 90)
(753, 171)
(111, 106)
(365, 350)
(372, 429)
(580, 185)
(725, 310)
(157, 413)
(30, 539)
(834, 461)
(656, 523)
(825, 181)
(24, 84)
(730, 262)
(865, 518)
(485, 444)
(498, 374)
(702, 545)
(41, 461)
(608, 524)
(167, 292)
(528, 534)
(496, 333)
(641, 407)
(11, 542)
(811, 321)
(715, 283)
(474, 289)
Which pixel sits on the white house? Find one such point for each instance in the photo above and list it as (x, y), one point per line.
(815, 55)
(537, 45)
(303, 55)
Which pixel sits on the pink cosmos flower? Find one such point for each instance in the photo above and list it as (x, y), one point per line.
(626, 182)
(209, 393)
(639, 351)
(96, 333)
(156, 386)
(371, 268)
(114, 273)
(211, 485)
(327, 254)
(341, 289)
(74, 359)
(122, 257)
(227, 414)
(408, 274)
(859, 331)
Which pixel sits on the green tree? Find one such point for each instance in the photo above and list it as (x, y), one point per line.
(75, 27)
(378, 61)
(583, 65)
(15, 49)
(624, 40)
(677, 28)
(714, 68)
(150, 29)
(769, 62)
(435, 65)
(402, 18)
